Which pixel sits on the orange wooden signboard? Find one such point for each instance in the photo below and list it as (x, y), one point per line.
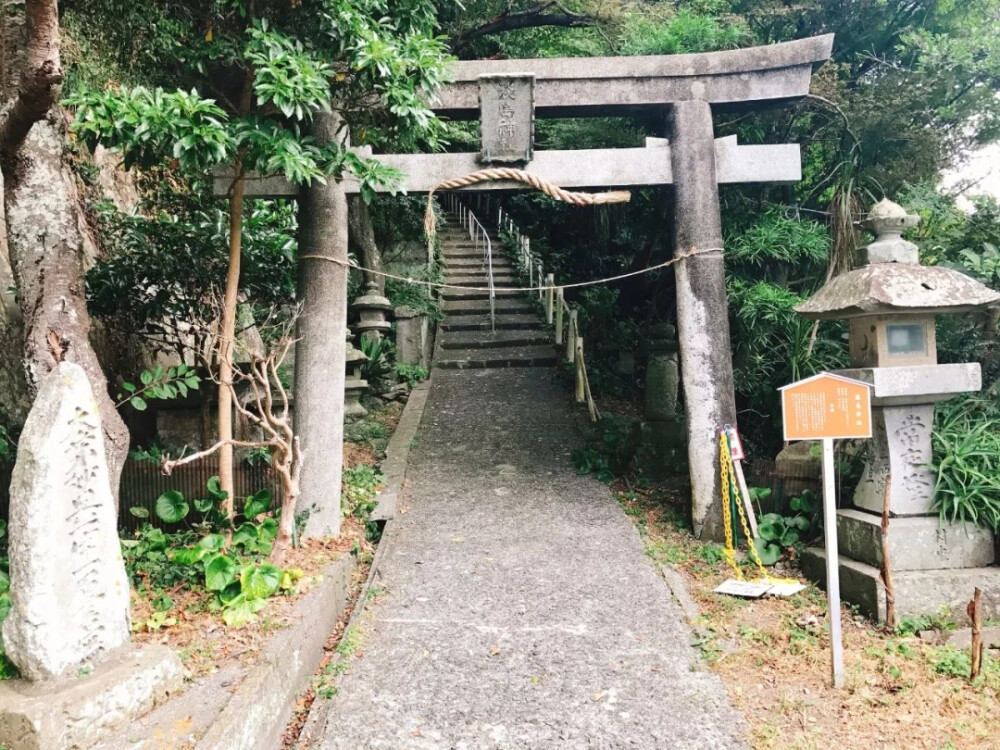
(827, 406)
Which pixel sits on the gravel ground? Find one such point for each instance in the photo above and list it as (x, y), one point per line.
(520, 609)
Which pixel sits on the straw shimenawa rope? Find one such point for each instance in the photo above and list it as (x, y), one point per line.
(519, 175)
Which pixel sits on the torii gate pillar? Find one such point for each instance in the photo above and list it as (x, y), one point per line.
(320, 350)
(702, 310)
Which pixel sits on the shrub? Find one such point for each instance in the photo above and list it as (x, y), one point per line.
(966, 441)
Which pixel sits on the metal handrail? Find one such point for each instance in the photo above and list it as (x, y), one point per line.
(475, 228)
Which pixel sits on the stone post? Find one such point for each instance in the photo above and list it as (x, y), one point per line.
(702, 310)
(322, 330)
(412, 334)
(662, 428)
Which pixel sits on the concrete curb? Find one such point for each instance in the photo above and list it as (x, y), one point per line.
(397, 453)
(256, 715)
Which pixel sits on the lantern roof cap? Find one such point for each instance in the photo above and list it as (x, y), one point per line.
(897, 288)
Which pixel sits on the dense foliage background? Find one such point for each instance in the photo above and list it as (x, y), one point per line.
(911, 91)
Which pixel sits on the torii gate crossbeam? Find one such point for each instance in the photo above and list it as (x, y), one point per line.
(507, 95)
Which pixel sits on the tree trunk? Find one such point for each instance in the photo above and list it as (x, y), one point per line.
(362, 239)
(14, 398)
(45, 236)
(226, 336)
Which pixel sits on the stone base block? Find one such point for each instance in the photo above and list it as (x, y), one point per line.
(80, 712)
(915, 542)
(917, 592)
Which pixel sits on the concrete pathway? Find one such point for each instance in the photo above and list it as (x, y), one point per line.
(520, 610)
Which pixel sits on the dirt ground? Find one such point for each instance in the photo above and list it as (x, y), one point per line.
(774, 656)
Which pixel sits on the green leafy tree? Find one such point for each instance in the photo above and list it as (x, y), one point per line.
(253, 77)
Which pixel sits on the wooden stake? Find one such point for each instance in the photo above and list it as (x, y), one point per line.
(975, 612)
(890, 592)
(745, 495)
(571, 333)
(560, 305)
(578, 360)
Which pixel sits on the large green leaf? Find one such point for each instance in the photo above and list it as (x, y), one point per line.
(215, 489)
(171, 507)
(187, 556)
(4, 582)
(212, 542)
(260, 581)
(769, 531)
(220, 571)
(241, 611)
(768, 553)
(230, 594)
(788, 537)
(257, 503)
(245, 535)
(267, 529)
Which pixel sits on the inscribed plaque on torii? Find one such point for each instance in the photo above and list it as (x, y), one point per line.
(507, 118)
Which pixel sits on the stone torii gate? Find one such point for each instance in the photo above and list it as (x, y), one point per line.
(507, 95)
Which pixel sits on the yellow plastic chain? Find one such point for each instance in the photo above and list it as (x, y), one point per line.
(725, 462)
(727, 515)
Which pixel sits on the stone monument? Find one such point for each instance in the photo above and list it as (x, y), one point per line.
(663, 448)
(414, 336)
(68, 628)
(891, 303)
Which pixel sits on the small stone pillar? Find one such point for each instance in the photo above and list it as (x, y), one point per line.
(371, 309)
(413, 333)
(663, 437)
(354, 384)
(891, 303)
(68, 628)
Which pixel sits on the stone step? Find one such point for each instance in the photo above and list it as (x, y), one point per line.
(464, 255)
(530, 356)
(503, 323)
(479, 274)
(499, 339)
(480, 282)
(517, 306)
(476, 267)
(916, 592)
(455, 295)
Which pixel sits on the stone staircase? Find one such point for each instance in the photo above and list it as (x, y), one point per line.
(465, 338)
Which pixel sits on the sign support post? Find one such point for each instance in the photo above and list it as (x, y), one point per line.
(832, 563)
(828, 407)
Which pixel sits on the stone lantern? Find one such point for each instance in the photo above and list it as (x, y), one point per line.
(354, 385)
(372, 309)
(890, 304)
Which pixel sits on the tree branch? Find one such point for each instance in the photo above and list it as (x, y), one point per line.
(41, 78)
(168, 464)
(530, 18)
